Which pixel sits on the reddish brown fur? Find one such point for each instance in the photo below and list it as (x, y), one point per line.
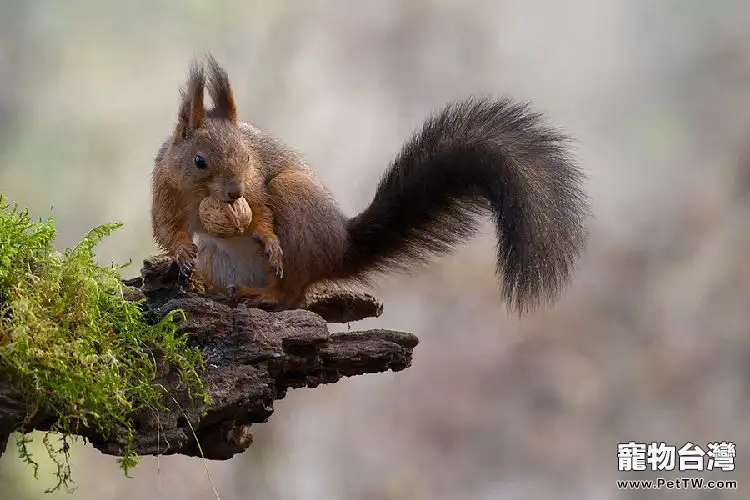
(221, 92)
(311, 229)
(285, 198)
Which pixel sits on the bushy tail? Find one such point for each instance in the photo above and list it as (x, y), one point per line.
(479, 157)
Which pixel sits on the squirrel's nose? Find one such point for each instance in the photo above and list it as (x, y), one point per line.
(233, 194)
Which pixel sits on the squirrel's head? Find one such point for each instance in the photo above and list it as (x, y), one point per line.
(207, 150)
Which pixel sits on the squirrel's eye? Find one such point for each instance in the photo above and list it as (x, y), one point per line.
(199, 162)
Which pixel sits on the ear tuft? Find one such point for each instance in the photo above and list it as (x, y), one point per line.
(192, 111)
(220, 91)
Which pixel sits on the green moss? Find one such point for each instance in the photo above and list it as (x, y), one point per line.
(70, 340)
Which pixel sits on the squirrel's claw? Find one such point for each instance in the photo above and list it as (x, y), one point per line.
(186, 268)
(232, 294)
(274, 254)
(185, 259)
(276, 262)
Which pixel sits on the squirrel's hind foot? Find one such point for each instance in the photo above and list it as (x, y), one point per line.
(262, 298)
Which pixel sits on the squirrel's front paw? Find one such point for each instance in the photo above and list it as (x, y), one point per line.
(274, 253)
(185, 258)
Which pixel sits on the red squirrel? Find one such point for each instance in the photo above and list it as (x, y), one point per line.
(475, 158)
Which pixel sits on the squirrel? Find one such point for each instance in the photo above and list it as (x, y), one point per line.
(476, 157)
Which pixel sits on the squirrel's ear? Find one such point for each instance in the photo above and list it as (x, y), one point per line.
(220, 91)
(192, 112)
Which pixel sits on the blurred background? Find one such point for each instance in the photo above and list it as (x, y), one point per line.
(651, 341)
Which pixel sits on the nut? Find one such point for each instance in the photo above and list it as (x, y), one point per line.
(225, 220)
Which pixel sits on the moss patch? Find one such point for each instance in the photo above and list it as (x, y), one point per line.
(70, 340)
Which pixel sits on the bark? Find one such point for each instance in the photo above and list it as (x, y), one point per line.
(252, 358)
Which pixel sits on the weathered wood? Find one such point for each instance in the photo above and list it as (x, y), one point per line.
(252, 357)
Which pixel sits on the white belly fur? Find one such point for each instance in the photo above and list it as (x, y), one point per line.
(231, 261)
